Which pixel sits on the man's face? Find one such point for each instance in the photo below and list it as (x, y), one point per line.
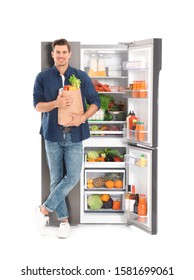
(61, 55)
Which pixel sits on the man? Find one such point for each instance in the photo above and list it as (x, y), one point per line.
(63, 145)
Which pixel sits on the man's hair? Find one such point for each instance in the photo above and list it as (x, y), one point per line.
(61, 42)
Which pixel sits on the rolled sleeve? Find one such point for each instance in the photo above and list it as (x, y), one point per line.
(91, 95)
(38, 93)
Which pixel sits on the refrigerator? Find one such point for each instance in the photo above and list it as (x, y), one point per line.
(130, 73)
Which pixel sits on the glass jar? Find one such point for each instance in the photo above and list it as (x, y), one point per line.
(142, 205)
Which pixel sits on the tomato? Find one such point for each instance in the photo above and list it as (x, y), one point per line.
(66, 87)
(117, 159)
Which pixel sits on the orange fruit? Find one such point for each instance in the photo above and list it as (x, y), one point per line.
(118, 184)
(109, 184)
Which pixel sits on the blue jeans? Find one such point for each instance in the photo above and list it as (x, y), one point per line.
(57, 154)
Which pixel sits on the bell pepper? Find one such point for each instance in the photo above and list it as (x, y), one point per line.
(116, 205)
(100, 159)
(117, 159)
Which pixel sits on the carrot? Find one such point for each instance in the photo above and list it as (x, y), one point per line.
(105, 88)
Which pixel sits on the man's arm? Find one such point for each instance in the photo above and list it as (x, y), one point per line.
(79, 119)
(60, 102)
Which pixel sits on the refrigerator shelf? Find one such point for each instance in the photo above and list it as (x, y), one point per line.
(107, 122)
(107, 190)
(104, 164)
(106, 132)
(112, 92)
(104, 211)
(108, 77)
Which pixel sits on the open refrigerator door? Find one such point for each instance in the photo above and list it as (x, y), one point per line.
(141, 173)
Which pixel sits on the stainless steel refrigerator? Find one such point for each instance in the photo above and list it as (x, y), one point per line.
(128, 67)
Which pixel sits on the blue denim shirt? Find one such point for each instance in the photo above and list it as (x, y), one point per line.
(46, 88)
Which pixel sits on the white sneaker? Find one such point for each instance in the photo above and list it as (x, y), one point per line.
(41, 221)
(64, 230)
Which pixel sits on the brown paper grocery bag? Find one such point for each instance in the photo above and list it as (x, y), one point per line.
(77, 107)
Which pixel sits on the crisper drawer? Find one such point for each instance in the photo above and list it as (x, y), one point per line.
(104, 179)
(103, 157)
(106, 128)
(104, 202)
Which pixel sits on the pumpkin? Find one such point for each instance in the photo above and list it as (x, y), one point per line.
(105, 197)
(116, 205)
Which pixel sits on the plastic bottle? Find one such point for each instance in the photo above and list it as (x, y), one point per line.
(141, 134)
(135, 91)
(133, 117)
(132, 124)
(142, 205)
(127, 119)
(101, 66)
(143, 88)
(93, 63)
(143, 161)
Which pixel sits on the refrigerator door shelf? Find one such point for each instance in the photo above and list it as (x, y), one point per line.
(140, 65)
(136, 161)
(143, 175)
(104, 164)
(136, 136)
(137, 220)
(136, 94)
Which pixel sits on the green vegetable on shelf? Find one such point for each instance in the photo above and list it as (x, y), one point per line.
(94, 202)
(92, 155)
(105, 100)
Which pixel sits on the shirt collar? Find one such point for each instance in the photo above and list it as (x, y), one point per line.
(68, 72)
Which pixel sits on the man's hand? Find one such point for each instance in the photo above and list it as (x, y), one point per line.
(63, 102)
(76, 119)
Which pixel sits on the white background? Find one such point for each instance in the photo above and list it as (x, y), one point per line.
(24, 24)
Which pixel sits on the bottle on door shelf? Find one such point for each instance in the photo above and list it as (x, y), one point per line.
(132, 119)
(135, 91)
(142, 205)
(140, 132)
(143, 88)
(127, 197)
(143, 161)
(136, 203)
(132, 198)
(127, 119)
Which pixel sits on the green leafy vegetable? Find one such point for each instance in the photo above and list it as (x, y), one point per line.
(94, 201)
(92, 154)
(113, 152)
(75, 81)
(105, 100)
